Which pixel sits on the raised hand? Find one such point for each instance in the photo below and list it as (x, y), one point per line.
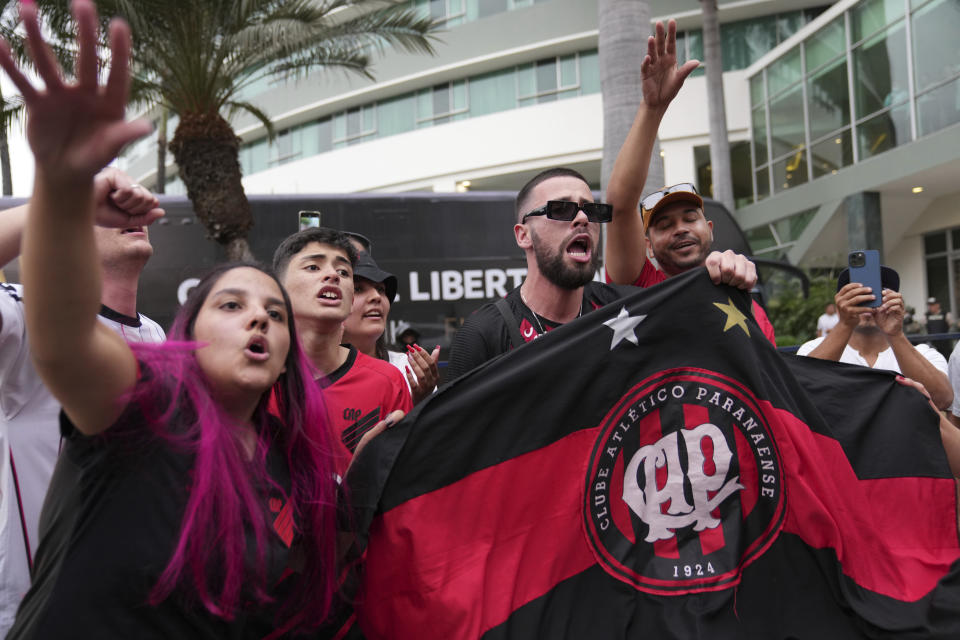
(661, 77)
(422, 374)
(75, 129)
(850, 301)
(889, 315)
(121, 203)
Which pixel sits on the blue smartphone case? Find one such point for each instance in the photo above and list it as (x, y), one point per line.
(868, 275)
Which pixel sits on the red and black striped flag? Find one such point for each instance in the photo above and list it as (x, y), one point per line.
(656, 469)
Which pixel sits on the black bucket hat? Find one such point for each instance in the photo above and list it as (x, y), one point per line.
(889, 279)
(367, 268)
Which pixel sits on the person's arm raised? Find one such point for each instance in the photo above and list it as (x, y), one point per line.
(626, 252)
(118, 201)
(913, 364)
(73, 130)
(849, 301)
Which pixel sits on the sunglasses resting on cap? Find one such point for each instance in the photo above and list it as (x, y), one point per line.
(567, 210)
(684, 191)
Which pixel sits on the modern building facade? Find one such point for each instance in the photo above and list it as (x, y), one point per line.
(834, 112)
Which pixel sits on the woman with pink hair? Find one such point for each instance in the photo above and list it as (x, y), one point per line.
(179, 507)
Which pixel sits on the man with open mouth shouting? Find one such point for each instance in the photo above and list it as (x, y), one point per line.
(558, 228)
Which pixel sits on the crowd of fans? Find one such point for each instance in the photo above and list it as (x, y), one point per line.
(197, 478)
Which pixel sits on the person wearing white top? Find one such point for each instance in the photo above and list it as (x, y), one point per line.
(954, 372)
(29, 431)
(827, 320)
(873, 337)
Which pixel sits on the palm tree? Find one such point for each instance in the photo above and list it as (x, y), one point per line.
(10, 110)
(624, 26)
(195, 57)
(720, 171)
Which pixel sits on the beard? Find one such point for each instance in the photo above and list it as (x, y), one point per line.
(556, 270)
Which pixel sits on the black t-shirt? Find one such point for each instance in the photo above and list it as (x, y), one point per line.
(484, 335)
(108, 529)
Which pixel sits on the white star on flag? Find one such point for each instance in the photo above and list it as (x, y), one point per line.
(623, 327)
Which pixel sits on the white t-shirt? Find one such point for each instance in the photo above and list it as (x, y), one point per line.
(954, 368)
(826, 322)
(885, 359)
(30, 441)
(399, 360)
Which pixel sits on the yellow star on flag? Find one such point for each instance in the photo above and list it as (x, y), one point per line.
(735, 317)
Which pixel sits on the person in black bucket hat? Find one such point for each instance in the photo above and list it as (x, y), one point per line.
(365, 327)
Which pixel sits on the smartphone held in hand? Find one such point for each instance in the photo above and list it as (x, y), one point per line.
(865, 269)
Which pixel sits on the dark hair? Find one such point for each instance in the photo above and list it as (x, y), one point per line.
(380, 349)
(557, 172)
(224, 506)
(294, 244)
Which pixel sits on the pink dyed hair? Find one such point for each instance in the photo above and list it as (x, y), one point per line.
(223, 504)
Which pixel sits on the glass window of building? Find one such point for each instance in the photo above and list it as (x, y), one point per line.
(791, 171)
(396, 115)
(933, 25)
(756, 90)
(762, 179)
(446, 12)
(759, 127)
(883, 132)
(740, 170)
(490, 7)
(786, 122)
(743, 43)
(869, 17)
(939, 108)
(832, 154)
(492, 92)
(589, 72)
(785, 72)
(258, 157)
(880, 71)
(354, 125)
(828, 99)
(761, 240)
(547, 80)
(825, 45)
(442, 103)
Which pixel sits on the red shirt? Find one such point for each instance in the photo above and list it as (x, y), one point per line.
(359, 394)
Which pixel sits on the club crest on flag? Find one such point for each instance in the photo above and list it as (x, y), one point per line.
(685, 484)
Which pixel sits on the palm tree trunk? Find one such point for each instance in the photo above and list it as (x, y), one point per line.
(5, 161)
(162, 152)
(721, 176)
(206, 151)
(5, 122)
(624, 26)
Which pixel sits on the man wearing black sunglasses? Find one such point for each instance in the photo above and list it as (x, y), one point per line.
(558, 228)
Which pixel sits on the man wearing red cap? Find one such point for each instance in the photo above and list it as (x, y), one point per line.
(672, 223)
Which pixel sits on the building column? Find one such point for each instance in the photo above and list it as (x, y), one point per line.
(864, 225)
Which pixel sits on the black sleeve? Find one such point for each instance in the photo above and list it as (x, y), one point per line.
(471, 345)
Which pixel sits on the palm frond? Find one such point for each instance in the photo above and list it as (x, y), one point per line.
(234, 106)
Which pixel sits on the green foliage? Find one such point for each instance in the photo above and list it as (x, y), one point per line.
(794, 317)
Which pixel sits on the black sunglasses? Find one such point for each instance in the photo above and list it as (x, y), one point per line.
(566, 211)
(652, 199)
